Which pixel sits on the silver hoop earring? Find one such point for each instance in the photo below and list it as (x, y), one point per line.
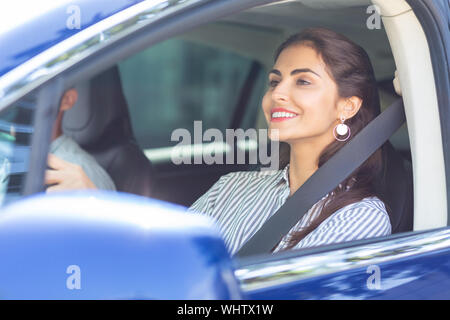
(341, 130)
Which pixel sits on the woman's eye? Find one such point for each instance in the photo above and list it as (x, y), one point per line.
(303, 82)
(273, 83)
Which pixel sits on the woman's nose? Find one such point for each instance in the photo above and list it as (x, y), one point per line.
(280, 92)
(279, 96)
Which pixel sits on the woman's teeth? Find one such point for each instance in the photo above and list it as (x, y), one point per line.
(283, 115)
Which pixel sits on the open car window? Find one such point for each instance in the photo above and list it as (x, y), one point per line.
(201, 76)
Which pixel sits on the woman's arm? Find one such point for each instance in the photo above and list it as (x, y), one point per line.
(206, 203)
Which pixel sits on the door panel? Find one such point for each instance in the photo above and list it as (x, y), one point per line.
(407, 266)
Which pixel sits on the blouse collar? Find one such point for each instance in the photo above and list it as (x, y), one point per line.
(283, 176)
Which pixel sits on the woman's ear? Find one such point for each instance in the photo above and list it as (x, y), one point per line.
(350, 106)
(68, 100)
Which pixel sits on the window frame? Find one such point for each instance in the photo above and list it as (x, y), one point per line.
(432, 19)
(48, 100)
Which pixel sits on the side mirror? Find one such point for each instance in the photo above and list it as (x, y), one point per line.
(102, 245)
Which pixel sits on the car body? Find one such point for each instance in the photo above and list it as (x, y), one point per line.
(47, 241)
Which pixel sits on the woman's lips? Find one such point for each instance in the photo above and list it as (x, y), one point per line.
(281, 114)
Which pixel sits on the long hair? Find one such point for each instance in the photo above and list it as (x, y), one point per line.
(349, 66)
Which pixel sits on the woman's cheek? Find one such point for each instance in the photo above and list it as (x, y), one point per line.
(266, 106)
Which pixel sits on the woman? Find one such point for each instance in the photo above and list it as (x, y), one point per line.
(321, 92)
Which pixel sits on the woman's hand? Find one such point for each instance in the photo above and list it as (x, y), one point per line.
(65, 176)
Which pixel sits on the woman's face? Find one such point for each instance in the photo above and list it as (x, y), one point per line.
(302, 99)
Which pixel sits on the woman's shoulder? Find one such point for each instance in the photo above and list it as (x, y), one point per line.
(365, 211)
(364, 219)
(374, 203)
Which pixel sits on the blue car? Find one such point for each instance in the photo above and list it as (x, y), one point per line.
(146, 68)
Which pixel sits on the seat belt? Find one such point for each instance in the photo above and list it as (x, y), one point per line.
(352, 155)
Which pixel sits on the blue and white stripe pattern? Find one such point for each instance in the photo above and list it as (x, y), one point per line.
(241, 202)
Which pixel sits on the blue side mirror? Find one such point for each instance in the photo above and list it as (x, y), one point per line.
(102, 245)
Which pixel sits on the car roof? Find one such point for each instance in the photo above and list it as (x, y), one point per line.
(28, 28)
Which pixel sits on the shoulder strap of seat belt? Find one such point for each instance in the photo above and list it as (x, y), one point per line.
(326, 179)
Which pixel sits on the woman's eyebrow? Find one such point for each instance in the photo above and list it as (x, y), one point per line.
(293, 72)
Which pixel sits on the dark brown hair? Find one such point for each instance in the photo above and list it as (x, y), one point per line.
(349, 66)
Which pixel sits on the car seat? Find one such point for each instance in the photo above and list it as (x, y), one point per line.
(395, 186)
(100, 123)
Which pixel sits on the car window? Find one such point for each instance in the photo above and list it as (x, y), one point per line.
(177, 82)
(15, 139)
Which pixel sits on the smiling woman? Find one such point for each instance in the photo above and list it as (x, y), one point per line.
(320, 80)
(343, 87)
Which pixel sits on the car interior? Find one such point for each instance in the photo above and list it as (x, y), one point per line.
(125, 116)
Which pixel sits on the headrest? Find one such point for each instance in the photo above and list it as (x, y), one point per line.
(396, 83)
(100, 112)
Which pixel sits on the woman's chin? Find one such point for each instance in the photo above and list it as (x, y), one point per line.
(282, 135)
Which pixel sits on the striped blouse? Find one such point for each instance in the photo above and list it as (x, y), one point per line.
(240, 203)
